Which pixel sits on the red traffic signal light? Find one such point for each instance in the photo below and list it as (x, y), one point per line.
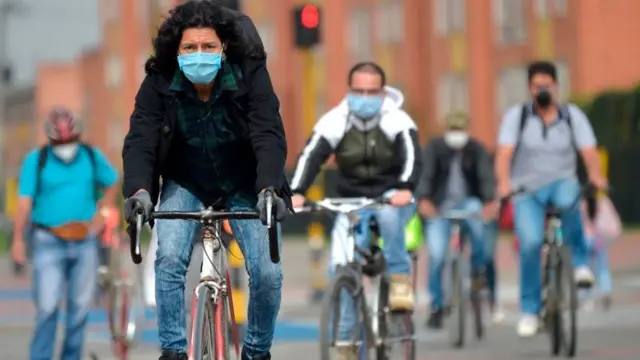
(310, 16)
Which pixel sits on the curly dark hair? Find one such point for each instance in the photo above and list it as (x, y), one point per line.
(199, 14)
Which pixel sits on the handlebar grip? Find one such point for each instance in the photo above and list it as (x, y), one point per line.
(134, 236)
(272, 225)
(274, 250)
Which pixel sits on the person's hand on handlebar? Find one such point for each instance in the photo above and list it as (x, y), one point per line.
(426, 209)
(298, 201)
(279, 209)
(133, 205)
(401, 198)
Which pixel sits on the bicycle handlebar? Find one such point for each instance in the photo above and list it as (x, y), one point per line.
(205, 215)
(585, 189)
(342, 205)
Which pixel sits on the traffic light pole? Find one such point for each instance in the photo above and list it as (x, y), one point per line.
(315, 230)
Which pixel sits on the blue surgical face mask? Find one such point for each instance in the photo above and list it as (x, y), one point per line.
(200, 68)
(364, 107)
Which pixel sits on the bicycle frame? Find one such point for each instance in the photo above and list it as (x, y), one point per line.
(351, 209)
(215, 275)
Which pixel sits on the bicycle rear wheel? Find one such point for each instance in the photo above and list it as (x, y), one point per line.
(203, 330)
(457, 304)
(357, 336)
(562, 302)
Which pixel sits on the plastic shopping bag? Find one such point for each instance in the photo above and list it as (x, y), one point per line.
(608, 226)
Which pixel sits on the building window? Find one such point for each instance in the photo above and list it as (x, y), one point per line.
(266, 31)
(542, 9)
(360, 35)
(390, 22)
(512, 88)
(560, 7)
(113, 76)
(453, 95)
(564, 81)
(510, 16)
(450, 16)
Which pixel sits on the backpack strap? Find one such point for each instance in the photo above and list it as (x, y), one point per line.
(524, 115)
(92, 157)
(43, 154)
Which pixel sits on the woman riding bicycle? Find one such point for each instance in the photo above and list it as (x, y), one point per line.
(377, 152)
(207, 121)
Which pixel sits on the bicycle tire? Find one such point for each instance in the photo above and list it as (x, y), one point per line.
(203, 329)
(476, 306)
(331, 310)
(221, 324)
(393, 328)
(457, 304)
(562, 288)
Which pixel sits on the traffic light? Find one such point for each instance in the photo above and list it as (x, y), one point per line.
(306, 22)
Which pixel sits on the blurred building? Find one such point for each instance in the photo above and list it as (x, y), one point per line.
(446, 55)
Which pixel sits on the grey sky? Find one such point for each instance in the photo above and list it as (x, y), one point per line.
(51, 30)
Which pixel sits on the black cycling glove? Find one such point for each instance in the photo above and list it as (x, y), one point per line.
(136, 203)
(279, 210)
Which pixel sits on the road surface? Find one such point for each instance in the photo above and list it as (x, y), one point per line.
(603, 335)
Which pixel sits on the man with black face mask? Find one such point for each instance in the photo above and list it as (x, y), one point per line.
(536, 151)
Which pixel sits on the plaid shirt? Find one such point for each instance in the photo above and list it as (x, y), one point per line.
(198, 149)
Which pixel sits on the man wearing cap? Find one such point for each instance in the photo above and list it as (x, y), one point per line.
(457, 175)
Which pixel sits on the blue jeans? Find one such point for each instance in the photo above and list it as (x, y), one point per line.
(438, 233)
(600, 261)
(529, 226)
(391, 222)
(59, 264)
(175, 242)
(492, 232)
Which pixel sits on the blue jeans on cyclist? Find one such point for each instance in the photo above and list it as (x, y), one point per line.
(529, 223)
(175, 242)
(60, 264)
(437, 235)
(391, 222)
(492, 232)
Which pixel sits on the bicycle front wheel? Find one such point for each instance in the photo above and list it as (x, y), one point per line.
(124, 302)
(563, 303)
(457, 304)
(203, 330)
(344, 322)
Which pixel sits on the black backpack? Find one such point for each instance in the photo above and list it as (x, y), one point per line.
(581, 171)
(43, 154)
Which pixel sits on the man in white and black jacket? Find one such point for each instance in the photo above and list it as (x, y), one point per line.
(377, 153)
(457, 174)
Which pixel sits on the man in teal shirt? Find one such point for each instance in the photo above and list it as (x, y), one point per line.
(58, 190)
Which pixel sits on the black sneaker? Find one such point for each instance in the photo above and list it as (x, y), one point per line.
(172, 355)
(435, 319)
(259, 357)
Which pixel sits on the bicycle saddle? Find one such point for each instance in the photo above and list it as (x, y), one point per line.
(552, 211)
